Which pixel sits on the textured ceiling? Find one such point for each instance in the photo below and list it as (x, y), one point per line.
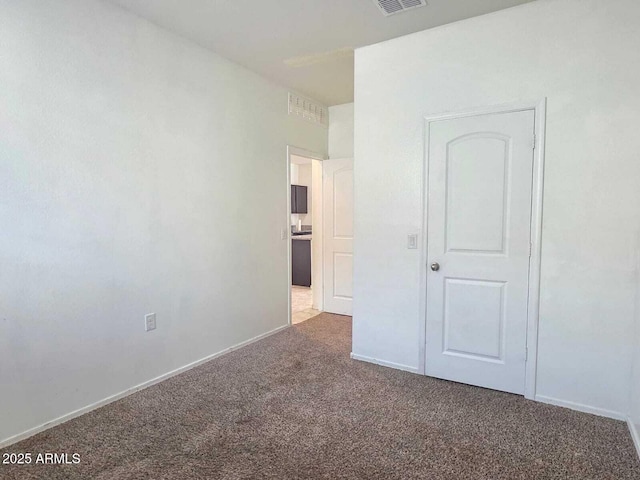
(302, 44)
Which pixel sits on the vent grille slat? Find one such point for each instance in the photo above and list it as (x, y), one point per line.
(307, 109)
(411, 3)
(391, 7)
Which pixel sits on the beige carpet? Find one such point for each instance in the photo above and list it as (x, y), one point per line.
(294, 406)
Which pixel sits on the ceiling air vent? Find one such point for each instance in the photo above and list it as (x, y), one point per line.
(390, 7)
(307, 109)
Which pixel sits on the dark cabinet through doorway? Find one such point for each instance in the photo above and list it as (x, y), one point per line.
(301, 262)
(298, 199)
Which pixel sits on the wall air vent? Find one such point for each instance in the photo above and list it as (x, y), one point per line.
(308, 109)
(391, 7)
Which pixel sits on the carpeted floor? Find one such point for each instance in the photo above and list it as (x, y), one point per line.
(294, 406)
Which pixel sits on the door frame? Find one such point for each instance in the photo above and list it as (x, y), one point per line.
(533, 307)
(316, 247)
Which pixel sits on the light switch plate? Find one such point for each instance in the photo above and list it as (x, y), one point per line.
(150, 322)
(412, 242)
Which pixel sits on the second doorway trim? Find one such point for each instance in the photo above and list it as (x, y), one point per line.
(316, 253)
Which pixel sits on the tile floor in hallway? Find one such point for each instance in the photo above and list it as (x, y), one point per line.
(302, 304)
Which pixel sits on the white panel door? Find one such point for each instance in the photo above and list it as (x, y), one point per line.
(479, 216)
(337, 192)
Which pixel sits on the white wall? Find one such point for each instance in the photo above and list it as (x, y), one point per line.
(634, 398)
(341, 131)
(135, 171)
(583, 56)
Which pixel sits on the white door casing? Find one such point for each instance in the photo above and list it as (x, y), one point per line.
(338, 235)
(479, 207)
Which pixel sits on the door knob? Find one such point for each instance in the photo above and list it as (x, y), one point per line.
(435, 266)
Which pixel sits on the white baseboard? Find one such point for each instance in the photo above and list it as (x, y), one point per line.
(581, 407)
(384, 363)
(81, 411)
(635, 435)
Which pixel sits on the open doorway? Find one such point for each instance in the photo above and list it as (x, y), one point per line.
(305, 224)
